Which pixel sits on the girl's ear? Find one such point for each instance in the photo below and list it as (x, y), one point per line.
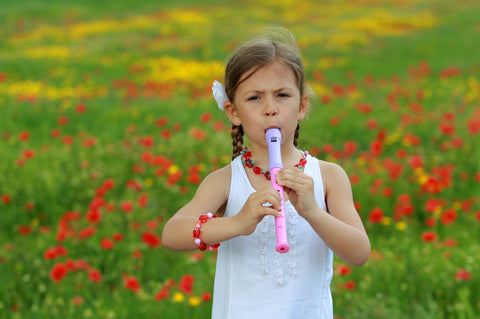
(232, 113)
(303, 107)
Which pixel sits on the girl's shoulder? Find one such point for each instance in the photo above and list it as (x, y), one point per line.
(215, 188)
(329, 167)
(219, 177)
(217, 182)
(332, 174)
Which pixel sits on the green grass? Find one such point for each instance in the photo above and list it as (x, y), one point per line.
(57, 55)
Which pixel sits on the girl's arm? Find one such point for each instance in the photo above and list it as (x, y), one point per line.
(210, 196)
(341, 228)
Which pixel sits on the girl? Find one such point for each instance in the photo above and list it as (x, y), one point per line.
(265, 88)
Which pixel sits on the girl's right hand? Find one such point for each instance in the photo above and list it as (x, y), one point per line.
(264, 202)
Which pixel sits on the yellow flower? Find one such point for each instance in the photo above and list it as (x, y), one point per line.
(225, 159)
(178, 297)
(173, 169)
(401, 226)
(194, 301)
(52, 52)
(148, 182)
(386, 221)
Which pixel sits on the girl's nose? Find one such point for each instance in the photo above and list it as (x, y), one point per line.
(270, 109)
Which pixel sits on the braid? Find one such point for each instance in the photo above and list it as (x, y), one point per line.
(237, 137)
(297, 132)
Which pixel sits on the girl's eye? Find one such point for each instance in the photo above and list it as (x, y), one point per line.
(253, 98)
(283, 95)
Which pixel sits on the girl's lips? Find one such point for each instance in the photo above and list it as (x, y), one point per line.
(273, 126)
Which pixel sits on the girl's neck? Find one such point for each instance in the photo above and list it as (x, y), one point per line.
(290, 155)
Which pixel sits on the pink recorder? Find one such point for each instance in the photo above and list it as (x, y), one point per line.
(274, 140)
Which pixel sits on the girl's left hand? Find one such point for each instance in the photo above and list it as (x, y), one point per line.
(299, 188)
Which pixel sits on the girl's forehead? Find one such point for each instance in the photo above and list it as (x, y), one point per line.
(273, 74)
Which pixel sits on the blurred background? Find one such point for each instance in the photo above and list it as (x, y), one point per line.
(107, 126)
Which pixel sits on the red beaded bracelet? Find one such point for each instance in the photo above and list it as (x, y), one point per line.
(196, 232)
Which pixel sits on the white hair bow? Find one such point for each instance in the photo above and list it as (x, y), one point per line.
(219, 94)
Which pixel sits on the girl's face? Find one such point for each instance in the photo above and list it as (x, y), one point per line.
(269, 98)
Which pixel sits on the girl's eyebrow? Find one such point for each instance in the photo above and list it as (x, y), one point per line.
(262, 91)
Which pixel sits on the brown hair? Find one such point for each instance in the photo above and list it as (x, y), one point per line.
(279, 45)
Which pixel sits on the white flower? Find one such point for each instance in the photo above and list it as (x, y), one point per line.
(219, 94)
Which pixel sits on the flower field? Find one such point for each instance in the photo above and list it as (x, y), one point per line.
(107, 126)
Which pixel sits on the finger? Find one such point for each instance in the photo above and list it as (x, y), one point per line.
(293, 179)
(270, 211)
(273, 201)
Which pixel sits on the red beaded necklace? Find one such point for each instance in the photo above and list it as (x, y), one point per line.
(248, 162)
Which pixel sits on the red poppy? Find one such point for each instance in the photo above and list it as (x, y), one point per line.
(401, 153)
(350, 147)
(24, 230)
(186, 284)
(364, 108)
(334, 121)
(6, 198)
(50, 253)
(218, 126)
(87, 232)
(58, 272)
(93, 216)
(131, 283)
(151, 239)
(62, 120)
(143, 200)
(162, 121)
(415, 161)
(56, 133)
(107, 244)
(94, 275)
(344, 270)
(327, 148)
(28, 154)
(206, 296)
(449, 216)
(24, 136)
(338, 89)
(126, 206)
(134, 185)
(80, 108)
(387, 192)
(446, 128)
(429, 236)
(194, 178)
(147, 141)
(174, 178)
(68, 140)
(163, 293)
(449, 72)
(372, 124)
(151, 224)
(430, 221)
(462, 274)
(77, 300)
(376, 215)
(206, 117)
(376, 148)
(326, 99)
(166, 134)
(137, 254)
(117, 237)
(350, 285)
(198, 134)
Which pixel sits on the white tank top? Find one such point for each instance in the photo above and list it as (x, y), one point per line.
(253, 281)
